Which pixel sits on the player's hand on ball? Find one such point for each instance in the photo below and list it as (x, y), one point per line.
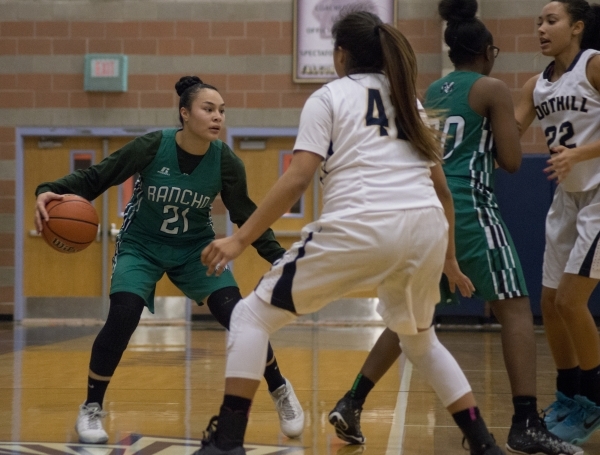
(458, 279)
(40, 208)
(219, 252)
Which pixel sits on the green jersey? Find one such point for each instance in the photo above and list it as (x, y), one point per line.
(467, 135)
(169, 206)
(172, 206)
(484, 248)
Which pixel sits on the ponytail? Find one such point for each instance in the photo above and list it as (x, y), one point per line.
(591, 32)
(400, 67)
(375, 47)
(581, 10)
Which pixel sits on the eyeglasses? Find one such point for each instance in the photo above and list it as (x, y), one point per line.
(495, 50)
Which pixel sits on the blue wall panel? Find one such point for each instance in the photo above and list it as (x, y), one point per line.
(524, 199)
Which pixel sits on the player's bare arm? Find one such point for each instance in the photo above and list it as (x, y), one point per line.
(525, 109)
(286, 191)
(451, 267)
(506, 133)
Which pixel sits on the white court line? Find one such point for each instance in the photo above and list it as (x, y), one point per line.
(396, 439)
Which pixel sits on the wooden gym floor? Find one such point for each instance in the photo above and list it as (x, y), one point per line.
(170, 382)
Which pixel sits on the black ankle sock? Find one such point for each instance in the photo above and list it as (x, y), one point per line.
(237, 404)
(568, 381)
(96, 390)
(231, 425)
(474, 429)
(360, 389)
(273, 376)
(590, 384)
(525, 408)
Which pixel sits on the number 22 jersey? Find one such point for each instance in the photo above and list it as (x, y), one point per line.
(569, 112)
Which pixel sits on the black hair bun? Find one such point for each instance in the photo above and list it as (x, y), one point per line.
(457, 10)
(186, 82)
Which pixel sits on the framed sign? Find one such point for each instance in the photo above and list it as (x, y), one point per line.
(313, 43)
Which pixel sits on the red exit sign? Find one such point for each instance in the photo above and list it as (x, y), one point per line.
(105, 68)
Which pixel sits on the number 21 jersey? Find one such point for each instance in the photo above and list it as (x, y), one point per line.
(168, 205)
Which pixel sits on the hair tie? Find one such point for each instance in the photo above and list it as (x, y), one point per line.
(376, 30)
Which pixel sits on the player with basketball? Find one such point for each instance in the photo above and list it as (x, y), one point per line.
(166, 226)
(382, 225)
(471, 106)
(565, 99)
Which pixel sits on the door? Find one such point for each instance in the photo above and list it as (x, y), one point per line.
(59, 285)
(263, 168)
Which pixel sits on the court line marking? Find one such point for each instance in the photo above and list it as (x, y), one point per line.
(395, 445)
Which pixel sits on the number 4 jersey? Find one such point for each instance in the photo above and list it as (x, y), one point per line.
(569, 112)
(368, 165)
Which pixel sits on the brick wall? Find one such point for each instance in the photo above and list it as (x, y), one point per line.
(242, 47)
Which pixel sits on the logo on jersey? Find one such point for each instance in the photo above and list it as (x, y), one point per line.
(164, 171)
(560, 103)
(447, 87)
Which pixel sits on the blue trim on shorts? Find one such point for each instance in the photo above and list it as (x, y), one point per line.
(282, 292)
(586, 267)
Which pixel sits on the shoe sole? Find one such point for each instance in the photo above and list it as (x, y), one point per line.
(336, 419)
(83, 441)
(511, 450)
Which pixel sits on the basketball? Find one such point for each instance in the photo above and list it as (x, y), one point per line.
(72, 225)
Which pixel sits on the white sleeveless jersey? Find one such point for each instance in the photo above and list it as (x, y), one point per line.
(569, 111)
(351, 123)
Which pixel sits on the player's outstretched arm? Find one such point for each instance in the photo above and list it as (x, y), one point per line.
(286, 191)
(451, 269)
(525, 109)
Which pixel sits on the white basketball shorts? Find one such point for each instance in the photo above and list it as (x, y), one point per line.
(572, 232)
(400, 253)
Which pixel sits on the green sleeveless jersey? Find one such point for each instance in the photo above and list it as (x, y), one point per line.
(467, 135)
(169, 205)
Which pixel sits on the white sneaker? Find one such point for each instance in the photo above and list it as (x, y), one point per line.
(291, 415)
(89, 426)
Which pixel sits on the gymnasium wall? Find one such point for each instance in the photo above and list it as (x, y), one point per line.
(243, 47)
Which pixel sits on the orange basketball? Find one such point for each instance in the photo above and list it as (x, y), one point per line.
(72, 224)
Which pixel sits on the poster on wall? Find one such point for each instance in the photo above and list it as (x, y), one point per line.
(313, 43)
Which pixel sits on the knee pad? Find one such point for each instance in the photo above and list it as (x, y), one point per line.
(438, 366)
(123, 318)
(252, 321)
(222, 302)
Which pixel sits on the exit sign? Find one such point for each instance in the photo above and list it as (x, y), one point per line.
(105, 67)
(105, 73)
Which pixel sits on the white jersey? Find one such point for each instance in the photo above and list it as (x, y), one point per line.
(569, 111)
(351, 123)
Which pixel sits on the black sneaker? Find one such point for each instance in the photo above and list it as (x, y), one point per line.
(345, 417)
(209, 443)
(532, 437)
(491, 448)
